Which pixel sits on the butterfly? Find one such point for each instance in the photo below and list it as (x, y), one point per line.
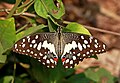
(70, 47)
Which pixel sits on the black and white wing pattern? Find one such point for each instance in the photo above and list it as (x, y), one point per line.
(39, 46)
(79, 46)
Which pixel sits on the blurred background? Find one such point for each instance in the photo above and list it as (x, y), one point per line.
(102, 15)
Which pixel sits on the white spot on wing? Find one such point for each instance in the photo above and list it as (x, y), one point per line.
(28, 50)
(39, 46)
(84, 55)
(95, 50)
(49, 46)
(88, 53)
(82, 37)
(74, 57)
(15, 46)
(47, 61)
(78, 54)
(91, 50)
(52, 66)
(30, 45)
(23, 40)
(31, 52)
(88, 45)
(45, 57)
(66, 66)
(91, 39)
(73, 52)
(71, 62)
(103, 50)
(36, 37)
(33, 41)
(99, 50)
(40, 54)
(85, 41)
(67, 61)
(52, 60)
(103, 46)
(96, 46)
(80, 47)
(68, 47)
(28, 37)
(23, 45)
(84, 46)
(35, 54)
(23, 50)
(39, 60)
(95, 41)
(35, 45)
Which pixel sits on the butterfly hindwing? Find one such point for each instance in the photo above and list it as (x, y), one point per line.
(39, 46)
(79, 46)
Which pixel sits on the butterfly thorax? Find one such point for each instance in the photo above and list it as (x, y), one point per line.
(60, 44)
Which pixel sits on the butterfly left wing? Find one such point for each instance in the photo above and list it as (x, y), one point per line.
(40, 46)
(79, 46)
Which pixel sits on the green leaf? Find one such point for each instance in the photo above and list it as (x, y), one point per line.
(69, 72)
(40, 9)
(78, 78)
(7, 36)
(7, 79)
(47, 75)
(75, 27)
(39, 72)
(56, 12)
(47, 7)
(29, 31)
(2, 57)
(98, 74)
(92, 75)
(52, 26)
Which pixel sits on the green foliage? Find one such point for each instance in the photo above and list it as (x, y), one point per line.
(7, 36)
(99, 74)
(31, 71)
(75, 27)
(47, 7)
(29, 31)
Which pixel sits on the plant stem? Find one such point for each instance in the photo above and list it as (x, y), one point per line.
(14, 8)
(21, 28)
(14, 71)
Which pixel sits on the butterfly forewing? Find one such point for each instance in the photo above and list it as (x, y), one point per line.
(40, 46)
(79, 46)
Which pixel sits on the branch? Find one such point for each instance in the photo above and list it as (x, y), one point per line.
(101, 30)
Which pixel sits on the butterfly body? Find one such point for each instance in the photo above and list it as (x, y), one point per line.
(49, 46)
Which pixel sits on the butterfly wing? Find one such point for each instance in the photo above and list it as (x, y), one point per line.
(40, 46)
(79, 46)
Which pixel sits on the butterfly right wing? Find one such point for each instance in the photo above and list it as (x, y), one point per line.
(40, 46)
(79, 46)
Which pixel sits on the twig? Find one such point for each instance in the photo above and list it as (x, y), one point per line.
(101, 30)
(14, 8)
(25, 14)
(96, 29)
